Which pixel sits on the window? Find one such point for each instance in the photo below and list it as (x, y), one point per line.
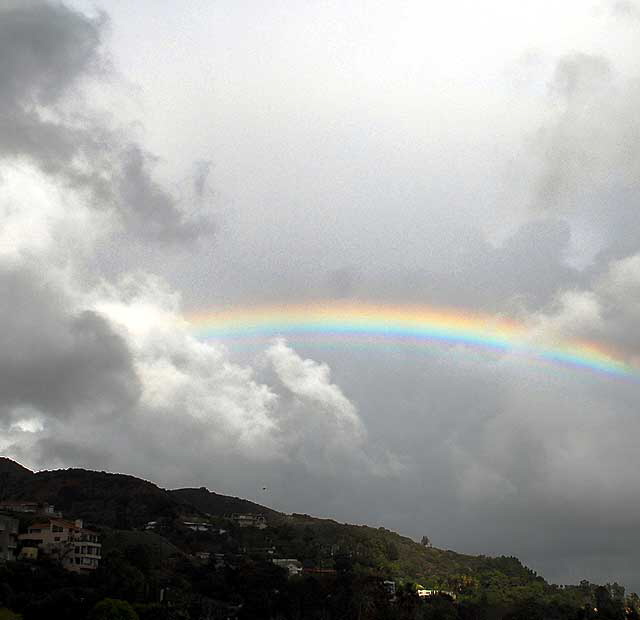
(77, 549)
(56, 539)
(57, 528)
(77, 560)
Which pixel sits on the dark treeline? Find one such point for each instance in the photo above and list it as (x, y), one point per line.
(136, 581)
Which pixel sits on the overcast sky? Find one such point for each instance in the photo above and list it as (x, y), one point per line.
(164, 158)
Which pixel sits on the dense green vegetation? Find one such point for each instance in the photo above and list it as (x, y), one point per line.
(164, 572)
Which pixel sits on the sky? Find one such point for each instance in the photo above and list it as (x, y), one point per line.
(161, 161)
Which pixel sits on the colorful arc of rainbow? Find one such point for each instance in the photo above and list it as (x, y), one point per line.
(405, 323)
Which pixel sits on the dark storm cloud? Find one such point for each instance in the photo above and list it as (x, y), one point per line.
(55, 360)
(55, 452)
(46, 50)
(148, 209)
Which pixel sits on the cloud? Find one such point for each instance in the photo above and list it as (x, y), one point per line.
(586, 158)
(604, 311)
(483, 451)
(56, 359)
(321, 425)
(185, 397)
(49, 51)
(111, 356)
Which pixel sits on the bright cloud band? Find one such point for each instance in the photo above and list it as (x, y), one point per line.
(404, 324)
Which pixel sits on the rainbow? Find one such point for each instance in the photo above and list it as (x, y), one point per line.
(406, 324)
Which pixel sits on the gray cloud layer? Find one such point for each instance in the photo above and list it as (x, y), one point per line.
(483, 452)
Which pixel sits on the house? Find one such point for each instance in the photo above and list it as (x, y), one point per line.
(75, 547)
(28, 507)
(198, 526)
(249, 520)
(293, 566)
(390, 588)
(201, 526)
(421, 592)
(8, 538)
(19, 506)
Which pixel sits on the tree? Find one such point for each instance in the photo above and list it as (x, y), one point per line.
(608, 608)
(425, 542)
(391, 551)
(113, 609)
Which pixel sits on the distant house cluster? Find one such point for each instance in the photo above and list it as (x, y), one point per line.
(201, 526)
(75, 547)
(249, 520)
(29, 508)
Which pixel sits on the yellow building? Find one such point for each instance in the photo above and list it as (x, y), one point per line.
(75, 547)
(28, 553)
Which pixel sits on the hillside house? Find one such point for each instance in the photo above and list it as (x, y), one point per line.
(250, 520)
(422, 592)
(200, 526)
(8, 538)
(294, 567)
(75, 547)
(28, 507)
(390, 588)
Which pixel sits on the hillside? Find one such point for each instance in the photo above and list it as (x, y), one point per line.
(216, 504)
(7, 466)
(12, 475)
(115, 500)
(225, 570)
(125, 502)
